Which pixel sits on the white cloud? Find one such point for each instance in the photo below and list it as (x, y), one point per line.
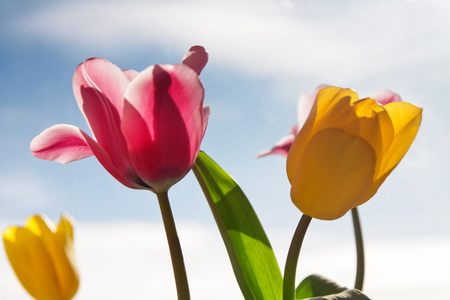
(259, 37)
(131, 261)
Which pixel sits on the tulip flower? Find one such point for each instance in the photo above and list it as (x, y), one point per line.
(304, 106)
(42, 257)
(147, 127)
(346, 149)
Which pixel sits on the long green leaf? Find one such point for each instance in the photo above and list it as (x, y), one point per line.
(254, 263)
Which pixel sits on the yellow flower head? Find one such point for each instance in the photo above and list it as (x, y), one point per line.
(42, 257)
(346, 149)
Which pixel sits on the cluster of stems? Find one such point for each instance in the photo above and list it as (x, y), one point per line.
(291, 261)
(294, 252)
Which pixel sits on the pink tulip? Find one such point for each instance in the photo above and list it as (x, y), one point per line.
(147, 126)
(304, 106)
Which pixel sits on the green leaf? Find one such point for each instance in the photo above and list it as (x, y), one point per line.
(316, 285)
(254, 263)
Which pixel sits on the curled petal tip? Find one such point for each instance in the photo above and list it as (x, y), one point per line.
(196, 58)
(61, 143)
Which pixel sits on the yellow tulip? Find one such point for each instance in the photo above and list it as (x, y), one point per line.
(346, 149)
(42, 257)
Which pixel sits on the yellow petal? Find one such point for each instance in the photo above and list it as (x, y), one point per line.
(317, 120)
(59, 245)
(375, 127)
(65, 230)
(67, 266)
(406, 119)
(42, 227)
(296, 151)
(55, 275)
(328, 97)
(373, 190)
(334, 172)
(341, 115)
(31, 263)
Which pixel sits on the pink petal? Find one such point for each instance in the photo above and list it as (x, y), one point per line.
(131, 74)
(386, 96)
(126, 176)
(196, 58)
(281, 147)
(99, 87)
(66, 143)
(163, 123)
(105, 78)
(61, 143)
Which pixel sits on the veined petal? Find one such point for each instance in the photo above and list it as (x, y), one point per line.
(163, 123)
(99, 87)
(370, 109)
(105, 78)
(406, 119)
(341, 115)
(296, 151)
(335, 171)
(196, 58)
(305, 104)
(31, 263)
(328, 97)
(375, 127)
(317, 120)
(122, 172)
(61, 143)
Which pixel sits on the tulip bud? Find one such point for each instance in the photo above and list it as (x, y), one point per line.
(346, 149)
(42, 257)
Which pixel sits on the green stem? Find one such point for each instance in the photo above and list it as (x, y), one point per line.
(292, 258)
(174, 247)
(359, 250)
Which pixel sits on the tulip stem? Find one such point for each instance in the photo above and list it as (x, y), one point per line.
(176, 254)
(359, 250)
(292, 258)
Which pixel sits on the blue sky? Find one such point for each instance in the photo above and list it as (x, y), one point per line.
(263, 55)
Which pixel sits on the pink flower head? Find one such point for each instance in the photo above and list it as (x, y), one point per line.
(304, 106)
(147, 126)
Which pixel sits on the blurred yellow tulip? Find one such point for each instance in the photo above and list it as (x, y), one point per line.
(346, 149)
(42, 257)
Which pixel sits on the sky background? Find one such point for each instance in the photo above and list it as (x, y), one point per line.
(263, 55)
